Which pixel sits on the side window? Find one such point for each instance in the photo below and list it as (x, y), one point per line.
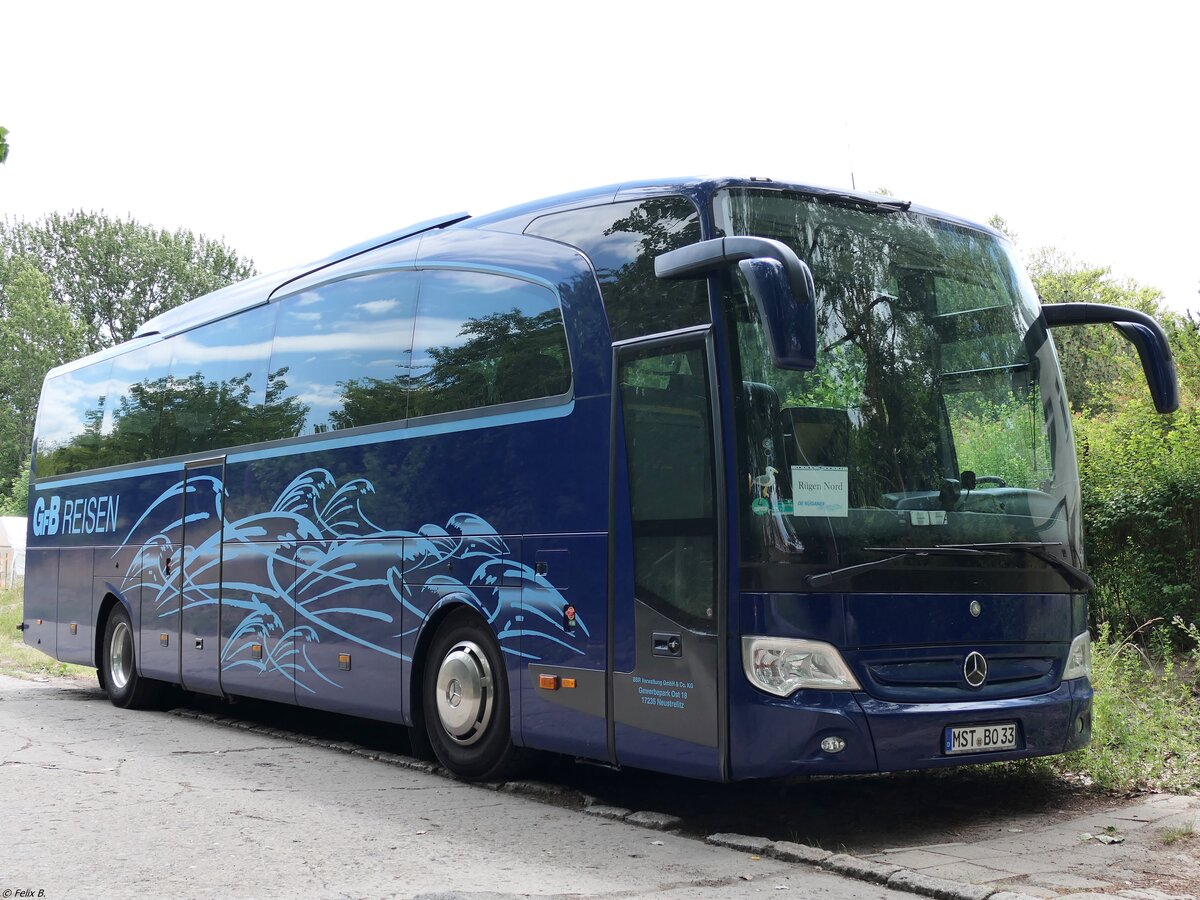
(70, 415)
(340, 356)
(621, 240)
(137, 392)
(218, 383)
(483, 339)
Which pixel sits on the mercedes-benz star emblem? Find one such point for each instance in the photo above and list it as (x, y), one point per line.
(975, 669)
(976, 608)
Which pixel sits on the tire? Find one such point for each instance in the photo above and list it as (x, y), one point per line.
(465, 704)
(118, 666)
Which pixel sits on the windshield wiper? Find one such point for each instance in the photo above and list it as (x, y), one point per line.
(1073, 575)
(880, 204)
(826, 578)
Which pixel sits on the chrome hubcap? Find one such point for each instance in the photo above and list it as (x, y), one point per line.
(120, 656)
(465, 693)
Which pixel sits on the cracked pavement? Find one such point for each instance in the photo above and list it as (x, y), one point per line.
(105, 802)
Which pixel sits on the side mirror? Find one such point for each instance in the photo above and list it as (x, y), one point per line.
(1140, 330)
(779, 281)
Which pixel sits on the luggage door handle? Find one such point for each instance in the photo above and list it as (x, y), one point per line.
(667, 644)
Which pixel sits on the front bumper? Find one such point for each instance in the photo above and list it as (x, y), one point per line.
(774, 737)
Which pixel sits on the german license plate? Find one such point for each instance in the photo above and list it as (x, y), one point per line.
(981, 738)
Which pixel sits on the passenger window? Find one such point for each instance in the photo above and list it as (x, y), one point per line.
(132, 429)
(621, 240)
(484, 339)
(70, 415)
(218, 383)
(340, 355)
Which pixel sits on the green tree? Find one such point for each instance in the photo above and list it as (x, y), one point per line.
(36, 334)
(1000, 223)
(1100, 368)
(114, 274)
(3, 144)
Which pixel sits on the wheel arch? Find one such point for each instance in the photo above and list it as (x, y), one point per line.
(108, 601)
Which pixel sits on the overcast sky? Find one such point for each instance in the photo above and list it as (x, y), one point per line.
(291, 130)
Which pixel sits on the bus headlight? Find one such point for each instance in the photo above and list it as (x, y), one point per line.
(1079, 658)
(782, 666)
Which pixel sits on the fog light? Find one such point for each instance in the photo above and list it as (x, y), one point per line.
(833, 744)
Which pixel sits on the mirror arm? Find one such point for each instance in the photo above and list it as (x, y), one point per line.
(700, 259)
(1139, 329)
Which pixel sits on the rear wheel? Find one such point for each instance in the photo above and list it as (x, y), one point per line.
(465, 701)
(118, 666)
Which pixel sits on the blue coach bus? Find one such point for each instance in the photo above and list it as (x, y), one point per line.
(728, 478)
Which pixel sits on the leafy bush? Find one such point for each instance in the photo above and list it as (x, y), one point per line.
(1140, 475)
(1145, 718)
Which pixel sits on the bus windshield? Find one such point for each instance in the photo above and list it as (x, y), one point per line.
(932, 440)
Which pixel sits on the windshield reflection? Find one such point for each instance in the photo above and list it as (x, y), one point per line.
(934, 415)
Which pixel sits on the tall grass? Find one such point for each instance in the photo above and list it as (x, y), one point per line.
(1145, 716)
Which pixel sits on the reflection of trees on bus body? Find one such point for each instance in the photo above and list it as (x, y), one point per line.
(503, 357)
(169, 416)
(506, 356)
(904, 305)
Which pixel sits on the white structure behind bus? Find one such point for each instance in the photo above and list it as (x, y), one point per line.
(12, 550)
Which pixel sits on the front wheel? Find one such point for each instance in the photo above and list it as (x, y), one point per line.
(465, 701)
(118, 666)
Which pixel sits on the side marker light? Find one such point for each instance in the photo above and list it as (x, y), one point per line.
(548, 682)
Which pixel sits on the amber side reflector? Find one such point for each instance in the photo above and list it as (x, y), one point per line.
(41, 621)
(568, 682)
(344, 662)
(74, 628)
(164, 640)
(548, 682)
(256, 651)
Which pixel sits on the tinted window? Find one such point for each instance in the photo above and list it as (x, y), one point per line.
(137, 392)
(70, 416)
(340, 355)
(218, 383)
(621, 240)
(483, 339)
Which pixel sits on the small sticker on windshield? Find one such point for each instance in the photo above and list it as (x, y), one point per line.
(820, 491)
(927, 516)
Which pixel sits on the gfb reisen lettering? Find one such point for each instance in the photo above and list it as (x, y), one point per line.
(83, 515)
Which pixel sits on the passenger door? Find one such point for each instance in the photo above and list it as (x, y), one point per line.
(668, 703)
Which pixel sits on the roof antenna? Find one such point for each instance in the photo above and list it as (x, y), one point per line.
(849, 157)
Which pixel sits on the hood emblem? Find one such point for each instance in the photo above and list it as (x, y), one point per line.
(976, 608)
(975, 669)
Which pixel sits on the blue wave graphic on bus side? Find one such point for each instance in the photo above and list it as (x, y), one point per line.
(317, 555)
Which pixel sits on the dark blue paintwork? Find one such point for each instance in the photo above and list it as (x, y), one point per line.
(292, 553)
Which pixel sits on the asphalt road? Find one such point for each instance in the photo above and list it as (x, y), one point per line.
(100, 802)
